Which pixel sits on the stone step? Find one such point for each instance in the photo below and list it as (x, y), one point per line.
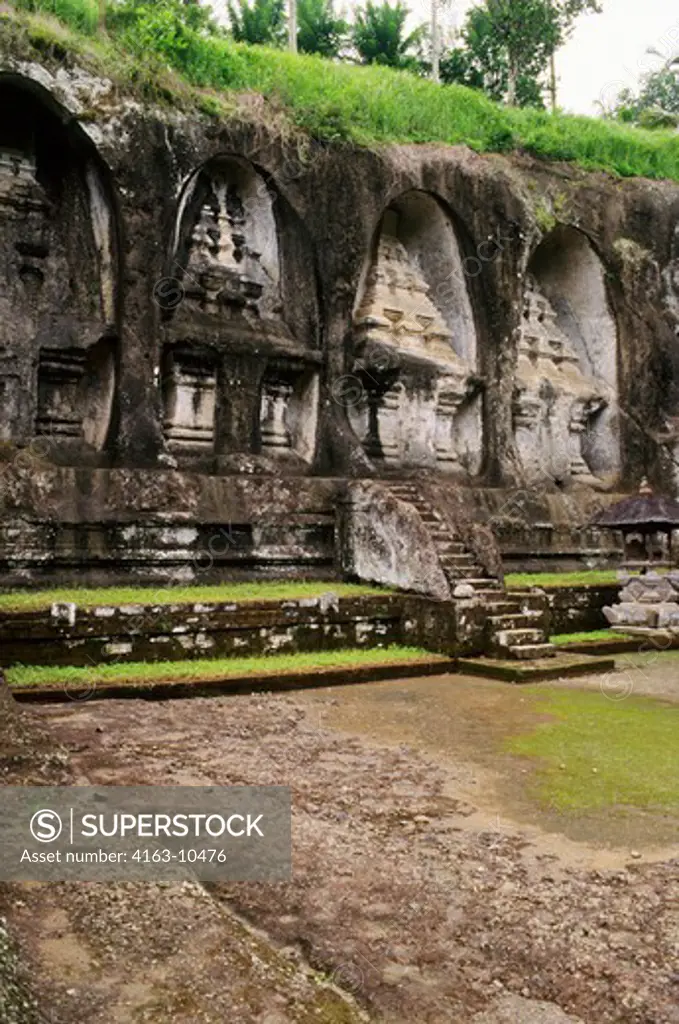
(450, 547)
(411, 496)
(443, 537)
(513, 620)
(457, 575)
(526, 599)
(461, 558)
(507, 638)
(525, 652)
(499, 607)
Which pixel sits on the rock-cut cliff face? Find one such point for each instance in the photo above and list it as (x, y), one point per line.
(210, 299)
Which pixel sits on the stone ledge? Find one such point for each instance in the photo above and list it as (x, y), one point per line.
(560, 666)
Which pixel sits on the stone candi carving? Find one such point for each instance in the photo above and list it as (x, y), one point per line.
(223, 269)
(23, 208)
(415, 382)
(397, 309)
(57, 335)
(554, 400)
(274, 429)
(256, 395)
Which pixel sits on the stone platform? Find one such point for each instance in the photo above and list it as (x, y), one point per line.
(557, 667)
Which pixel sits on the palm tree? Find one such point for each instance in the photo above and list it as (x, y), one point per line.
(379, 35)
(319, 31)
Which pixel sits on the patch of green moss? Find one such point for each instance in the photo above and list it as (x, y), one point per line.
(598, 753)
(581, 577)
(273, 590)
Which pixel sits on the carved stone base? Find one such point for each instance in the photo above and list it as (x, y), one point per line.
(189, 398)
(60, 372)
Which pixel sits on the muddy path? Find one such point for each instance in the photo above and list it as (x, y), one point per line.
(425, 886)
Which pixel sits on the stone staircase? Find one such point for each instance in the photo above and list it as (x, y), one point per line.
(515, 619)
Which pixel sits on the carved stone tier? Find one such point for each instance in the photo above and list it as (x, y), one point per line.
(451, 395)
(396, 308)
(20, 192)
(414, 382)
(223, 270)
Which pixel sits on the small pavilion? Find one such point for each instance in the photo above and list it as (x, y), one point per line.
(646, 522)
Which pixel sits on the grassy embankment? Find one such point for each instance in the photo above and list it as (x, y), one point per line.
(329, 100)
(579, 638)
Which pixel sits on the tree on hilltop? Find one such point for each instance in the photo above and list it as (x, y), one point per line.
(508, 45)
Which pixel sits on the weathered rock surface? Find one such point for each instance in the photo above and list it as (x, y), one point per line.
(320, 310)
(385, 541)
(517, 1010)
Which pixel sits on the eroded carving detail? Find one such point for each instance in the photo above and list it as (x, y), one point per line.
(275, 433)
(415, 382)
(396, 307)
(554, 400)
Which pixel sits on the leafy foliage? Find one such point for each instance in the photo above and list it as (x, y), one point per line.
(508, 45)
(379, 36)
(318, 29)
(482, 63)
(657, 104)
(262, 21)
(82, 15)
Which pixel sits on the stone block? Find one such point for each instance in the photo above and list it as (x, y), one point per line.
(631, 614)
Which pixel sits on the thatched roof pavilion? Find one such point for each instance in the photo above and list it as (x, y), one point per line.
(643, 515)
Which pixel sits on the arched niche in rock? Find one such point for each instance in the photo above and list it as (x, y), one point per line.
(240, 359)
(60, 300)
(415, 344)
(566, 388)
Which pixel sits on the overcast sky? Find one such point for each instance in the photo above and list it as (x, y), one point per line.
(606, 52)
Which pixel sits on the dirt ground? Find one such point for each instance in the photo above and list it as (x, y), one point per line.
(426, 886)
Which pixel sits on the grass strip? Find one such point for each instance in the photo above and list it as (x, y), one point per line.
(201, 670)
(581, 577)
(274, 590)
(580, 638)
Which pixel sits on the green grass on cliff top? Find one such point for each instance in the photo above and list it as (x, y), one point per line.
(336, 101)
(92, 597)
